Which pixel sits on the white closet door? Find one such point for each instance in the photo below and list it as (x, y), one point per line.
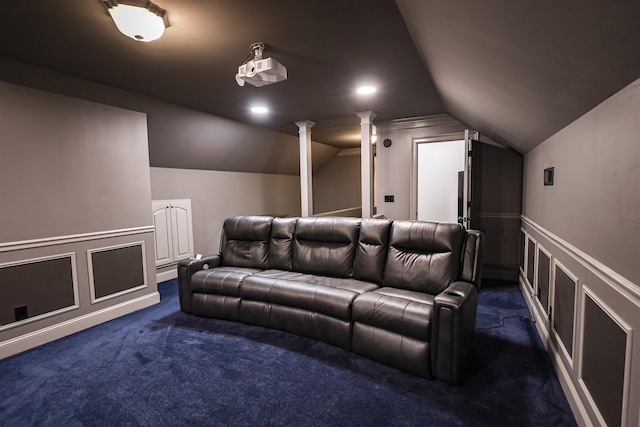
(162, 222)
(182, 229)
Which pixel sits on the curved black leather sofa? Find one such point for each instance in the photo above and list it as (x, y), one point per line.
(400, 292)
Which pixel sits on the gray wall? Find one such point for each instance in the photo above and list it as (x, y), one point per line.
(69, 166)
(588, 224)
(216, 195)
(595, 200)
(74, 181)
(337, 185)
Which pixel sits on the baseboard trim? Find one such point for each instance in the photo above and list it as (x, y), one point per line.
(571, 392)
(60, 330)
(167, 275)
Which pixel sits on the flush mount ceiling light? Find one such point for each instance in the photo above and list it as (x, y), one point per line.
(366, 90)
(139, 19)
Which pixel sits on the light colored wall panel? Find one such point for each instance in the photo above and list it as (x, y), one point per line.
(69, 166)
(594, 202)
(337, 185)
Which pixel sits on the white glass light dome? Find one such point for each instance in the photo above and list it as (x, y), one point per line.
(139, 23)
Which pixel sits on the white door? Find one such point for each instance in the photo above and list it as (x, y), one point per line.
(174, 230)
(163, 234)
(440, 183)
(181, 228)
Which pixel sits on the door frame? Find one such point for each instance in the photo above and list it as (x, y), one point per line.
(413, 169)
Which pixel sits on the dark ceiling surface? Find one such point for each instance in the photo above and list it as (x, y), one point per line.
(329, 47)
(520, 71)
(515, 71)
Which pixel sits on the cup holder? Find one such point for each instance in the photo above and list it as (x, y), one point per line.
(455, 294)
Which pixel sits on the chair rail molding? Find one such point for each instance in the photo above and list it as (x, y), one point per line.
(73, 238)
(612, 278)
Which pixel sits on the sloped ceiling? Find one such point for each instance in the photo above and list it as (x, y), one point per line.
(517, 71)
(329, 47)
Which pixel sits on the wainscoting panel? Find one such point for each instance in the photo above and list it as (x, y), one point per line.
(543, 276)
(590, 336)
(565, 286)
(531, 259)
(605, 374)
(36, 288)
(70, 283)
(523, 239)
(116, 270)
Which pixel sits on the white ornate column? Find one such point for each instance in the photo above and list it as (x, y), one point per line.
(306, 171)
(366, 157)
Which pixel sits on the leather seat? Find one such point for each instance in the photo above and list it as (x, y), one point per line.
(216, 291)
(326, 295)
(220, 280)
(397, 310)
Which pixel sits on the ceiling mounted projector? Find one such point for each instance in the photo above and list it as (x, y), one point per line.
(259, 71)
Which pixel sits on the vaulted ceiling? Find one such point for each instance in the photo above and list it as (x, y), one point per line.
(515, 71)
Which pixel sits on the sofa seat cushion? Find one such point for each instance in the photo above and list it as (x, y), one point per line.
(220, 280)
(326, 295)
(397, 310)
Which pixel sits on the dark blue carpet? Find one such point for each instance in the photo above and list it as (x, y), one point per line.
(161, 367)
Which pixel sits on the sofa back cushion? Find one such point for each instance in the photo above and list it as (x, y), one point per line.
(325, 246)
(245, 241)
(371, 251)
(423, 256)
(281, 245)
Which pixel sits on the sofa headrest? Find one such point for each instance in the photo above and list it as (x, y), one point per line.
(423, 256)
(325, 245)
(245, 241)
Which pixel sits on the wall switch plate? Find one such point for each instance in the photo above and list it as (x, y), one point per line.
(21, 313)
(548, 176)
(388, 198)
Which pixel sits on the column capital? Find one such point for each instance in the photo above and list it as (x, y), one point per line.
(366, 116)
(305, 125)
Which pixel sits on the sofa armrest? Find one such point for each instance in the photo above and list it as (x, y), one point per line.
(186, 268)
(452, 327)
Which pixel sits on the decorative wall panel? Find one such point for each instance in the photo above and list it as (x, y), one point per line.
(523, 239)
(32, 288)
(564, 304)
(603, 372)
(531, 257)
(544, 272)
(116, 269)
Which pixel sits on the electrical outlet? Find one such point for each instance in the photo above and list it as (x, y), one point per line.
(21, 313)
(388, 198)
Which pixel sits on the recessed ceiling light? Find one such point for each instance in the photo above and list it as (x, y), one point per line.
(366, 90)
(259, 110)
